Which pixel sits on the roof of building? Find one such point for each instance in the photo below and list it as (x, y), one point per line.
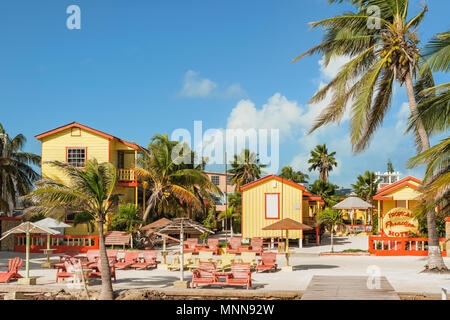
(78, 125)
(381, 194)
(287, 224)
(272, 176)
(156, 224)
(353, 202)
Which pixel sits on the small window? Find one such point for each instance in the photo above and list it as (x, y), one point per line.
(76, 157)
(272, 205)
(215, 180)
(229, 180)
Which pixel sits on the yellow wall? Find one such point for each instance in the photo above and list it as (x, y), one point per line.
(253, 203)
(54, 149)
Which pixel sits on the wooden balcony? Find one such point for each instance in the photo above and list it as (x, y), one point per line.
(127, 177)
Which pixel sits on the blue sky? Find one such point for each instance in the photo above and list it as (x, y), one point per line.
(137, 68)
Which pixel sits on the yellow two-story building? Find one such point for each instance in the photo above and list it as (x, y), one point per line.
(75, 143)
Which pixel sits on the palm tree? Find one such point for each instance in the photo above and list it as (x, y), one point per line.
(390, 168)
(366, 186)
(295, 176)
(322, 161)
(173, 183)
(229, 214)
(330, 218)
(379, 55)
(91, 190)
(245, 168)
(326, 190)
(16, 174)
(84, 218)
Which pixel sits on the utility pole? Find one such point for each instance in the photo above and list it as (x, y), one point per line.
(4, 155)
(226, 200)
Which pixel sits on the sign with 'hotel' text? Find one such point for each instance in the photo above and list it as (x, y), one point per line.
(400, 222)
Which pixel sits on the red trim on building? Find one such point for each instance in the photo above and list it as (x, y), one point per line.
(265, 206)
(397, 187)
(399, 182)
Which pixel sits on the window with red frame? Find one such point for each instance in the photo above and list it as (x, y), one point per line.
(76, 157)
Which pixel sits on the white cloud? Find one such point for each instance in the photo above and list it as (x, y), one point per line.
(333, 67)
(195, 86)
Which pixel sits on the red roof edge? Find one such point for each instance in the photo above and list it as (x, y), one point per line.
(272, 176)
(399, 182)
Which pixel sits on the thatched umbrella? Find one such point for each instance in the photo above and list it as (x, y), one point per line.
(54, 225)
(183, 225)
(28, 228)
(287, 224)
(352, 202)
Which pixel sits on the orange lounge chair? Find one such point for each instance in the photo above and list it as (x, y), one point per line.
(233, 246)
(256, 245)
(213, 245)
(240, 275)
(204, 274)
(65, 272)
(13, 270)
(148, 260)
(130, 258)
(191, 245)
(98, 272)
(267, 262)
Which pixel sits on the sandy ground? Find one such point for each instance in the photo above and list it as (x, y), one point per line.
(402, 272)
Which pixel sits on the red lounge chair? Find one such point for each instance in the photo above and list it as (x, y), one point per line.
(256, 245)
(191, 245)
(72, 252)
(213, 245)
(240, 275)
(233, 246)
(267, 261)
(98, 272)
(66, 271)
(13, 270)
(148, 260)
(130, 258)
(204, 274)
(91, 257)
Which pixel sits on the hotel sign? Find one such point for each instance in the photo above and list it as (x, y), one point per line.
(400, 222)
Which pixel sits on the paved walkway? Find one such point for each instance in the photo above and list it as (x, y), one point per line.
(349, 288)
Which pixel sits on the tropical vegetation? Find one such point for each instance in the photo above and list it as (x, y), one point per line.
(382, 50)
(16, 173)
(330, 218)
(322, 161)
(326, 190)
(366, 186)
(295, 176)
(246, 167)
(91, 189)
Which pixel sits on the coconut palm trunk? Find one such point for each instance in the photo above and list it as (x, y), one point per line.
(107, 290)
(435, 260)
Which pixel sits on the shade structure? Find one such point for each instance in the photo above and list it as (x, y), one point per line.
(156, 225)
(52, 224)
(183, 225)
(28, 228)
(353, 202)
(287, 224)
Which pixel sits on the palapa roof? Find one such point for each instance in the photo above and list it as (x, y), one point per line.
(353, 202)
(51, 223)
(287, 224)
(189, 226)
(28, 227)
(156, 224)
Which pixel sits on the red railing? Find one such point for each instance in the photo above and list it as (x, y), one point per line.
(60, 243)
(390, 246)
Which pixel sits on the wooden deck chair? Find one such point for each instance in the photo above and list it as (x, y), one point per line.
(98, 272)
(248, 257)
(91, 257)
(13, 266)
(204, 274)
(130, 258)
(190, 245)
(203, 256)
(268, 262)
(213, 246)
(233, 246)
(225, 261)
(175, 265)
(148, 260)
(240, 275)
(256, 245)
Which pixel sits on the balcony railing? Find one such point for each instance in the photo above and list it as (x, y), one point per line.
(390, 246)
(127, 175)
